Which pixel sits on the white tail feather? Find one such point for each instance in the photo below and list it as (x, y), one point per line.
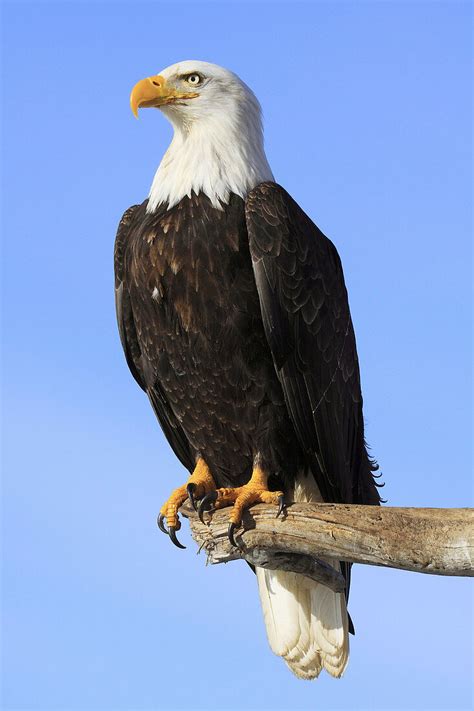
(306, 622)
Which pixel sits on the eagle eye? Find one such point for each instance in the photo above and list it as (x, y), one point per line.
(193, 79)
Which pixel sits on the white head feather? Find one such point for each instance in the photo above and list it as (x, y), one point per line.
(217, 147)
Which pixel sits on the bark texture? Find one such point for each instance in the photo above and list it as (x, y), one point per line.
(423, 540)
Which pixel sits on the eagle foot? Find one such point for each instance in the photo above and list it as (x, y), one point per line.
(199, 484)
(242, 497)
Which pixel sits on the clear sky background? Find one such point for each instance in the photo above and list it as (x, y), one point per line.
(367, 119)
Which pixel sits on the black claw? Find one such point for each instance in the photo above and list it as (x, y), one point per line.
(206, 504)
(191, 488)
(172, 535)
(161, 525)
(230, 533)
(281, 506)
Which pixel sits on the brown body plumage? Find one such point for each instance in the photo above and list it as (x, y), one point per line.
(237, 325)
(193, 329)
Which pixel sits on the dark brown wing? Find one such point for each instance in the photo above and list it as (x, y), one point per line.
(308, 325)
(128, 335)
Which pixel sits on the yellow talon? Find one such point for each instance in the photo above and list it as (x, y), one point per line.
(255, 492)
(198, 485)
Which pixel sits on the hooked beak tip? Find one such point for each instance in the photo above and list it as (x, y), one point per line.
(134, 107)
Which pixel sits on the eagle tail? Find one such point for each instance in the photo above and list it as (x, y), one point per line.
(307, 623)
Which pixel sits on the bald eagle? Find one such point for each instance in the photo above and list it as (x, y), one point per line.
(234, 318)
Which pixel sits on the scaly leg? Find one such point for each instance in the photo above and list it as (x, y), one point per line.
(198, 485)
(255, 492)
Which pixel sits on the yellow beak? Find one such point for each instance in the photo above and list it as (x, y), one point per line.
(154, 91)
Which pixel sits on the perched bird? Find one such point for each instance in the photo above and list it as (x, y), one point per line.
(234, 319)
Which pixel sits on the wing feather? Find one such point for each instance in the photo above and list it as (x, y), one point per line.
(139, 368)
(307, 322)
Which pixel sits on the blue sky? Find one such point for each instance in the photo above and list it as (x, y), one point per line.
(367, 119)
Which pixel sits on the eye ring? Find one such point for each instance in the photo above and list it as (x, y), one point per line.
(194, 79)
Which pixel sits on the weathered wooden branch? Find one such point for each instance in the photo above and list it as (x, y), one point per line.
(436, 541)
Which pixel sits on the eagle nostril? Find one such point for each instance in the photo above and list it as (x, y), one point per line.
(156, 83)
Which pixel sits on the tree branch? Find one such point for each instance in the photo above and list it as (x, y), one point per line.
(436, 541)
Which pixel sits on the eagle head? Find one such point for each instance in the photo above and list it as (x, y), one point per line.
(193, 90)
(217, 148)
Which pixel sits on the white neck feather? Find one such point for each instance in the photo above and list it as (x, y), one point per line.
(216, 155)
